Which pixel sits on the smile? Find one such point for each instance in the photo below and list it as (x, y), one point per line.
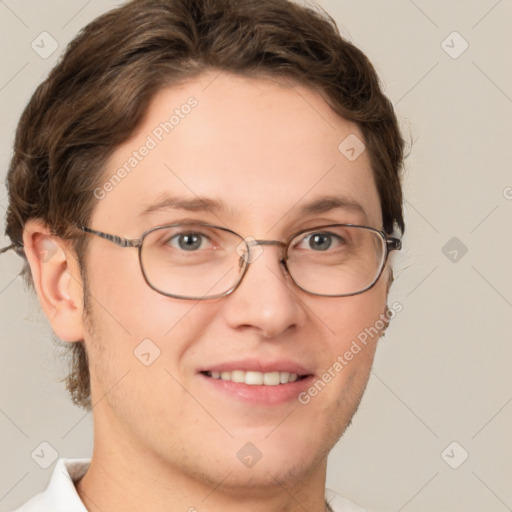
(254, 378)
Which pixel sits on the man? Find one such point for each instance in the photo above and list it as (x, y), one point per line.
(205, 193)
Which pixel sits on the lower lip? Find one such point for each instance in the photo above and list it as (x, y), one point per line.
(262, 395)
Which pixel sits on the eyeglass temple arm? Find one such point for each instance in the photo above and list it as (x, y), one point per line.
(393, 244)
(121, 242)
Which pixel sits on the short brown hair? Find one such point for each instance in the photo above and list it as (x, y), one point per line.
(96, 96)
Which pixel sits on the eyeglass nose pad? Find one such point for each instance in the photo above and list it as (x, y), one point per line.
(282, 261)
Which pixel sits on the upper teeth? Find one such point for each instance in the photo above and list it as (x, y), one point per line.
(256, 378)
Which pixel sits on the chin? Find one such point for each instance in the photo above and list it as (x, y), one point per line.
(249, 465)
(272, 473)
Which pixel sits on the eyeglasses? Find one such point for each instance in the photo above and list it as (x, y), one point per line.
(201, 261)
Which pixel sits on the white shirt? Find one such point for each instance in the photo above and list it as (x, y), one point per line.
(61, 495)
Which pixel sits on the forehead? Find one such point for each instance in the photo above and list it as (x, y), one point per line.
(256, 149)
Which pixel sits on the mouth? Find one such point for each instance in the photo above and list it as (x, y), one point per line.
(257, 384)
(253, 378)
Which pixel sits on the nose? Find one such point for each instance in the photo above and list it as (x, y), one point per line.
(266, 301)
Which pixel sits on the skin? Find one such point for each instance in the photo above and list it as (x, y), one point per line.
(162, 435)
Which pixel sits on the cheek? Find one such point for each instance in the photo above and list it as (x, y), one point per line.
(353, 326)
(357, 318)
(135, 331)
(125, 304)
(137, 341)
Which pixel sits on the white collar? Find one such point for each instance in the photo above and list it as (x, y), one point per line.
(61, 495)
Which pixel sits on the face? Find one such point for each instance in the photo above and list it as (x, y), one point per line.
(261, 152)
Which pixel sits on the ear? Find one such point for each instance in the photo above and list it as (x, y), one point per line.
(391, 278)
(57, 280)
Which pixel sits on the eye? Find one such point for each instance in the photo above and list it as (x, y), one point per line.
(319, 241)
(191, 241)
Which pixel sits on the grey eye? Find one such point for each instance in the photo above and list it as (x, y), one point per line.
(320, 241)
(187, 241)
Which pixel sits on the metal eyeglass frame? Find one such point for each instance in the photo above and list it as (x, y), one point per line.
(391, 244)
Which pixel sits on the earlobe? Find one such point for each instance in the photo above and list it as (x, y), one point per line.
(57, 280)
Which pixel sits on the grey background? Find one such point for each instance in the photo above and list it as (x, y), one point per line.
(442, 372)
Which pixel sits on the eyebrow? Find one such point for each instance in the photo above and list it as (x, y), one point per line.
(325, 204)
(203, 204)
(197, 204)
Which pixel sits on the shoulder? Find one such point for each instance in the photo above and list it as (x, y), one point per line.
(60, 495)
(340, 504)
